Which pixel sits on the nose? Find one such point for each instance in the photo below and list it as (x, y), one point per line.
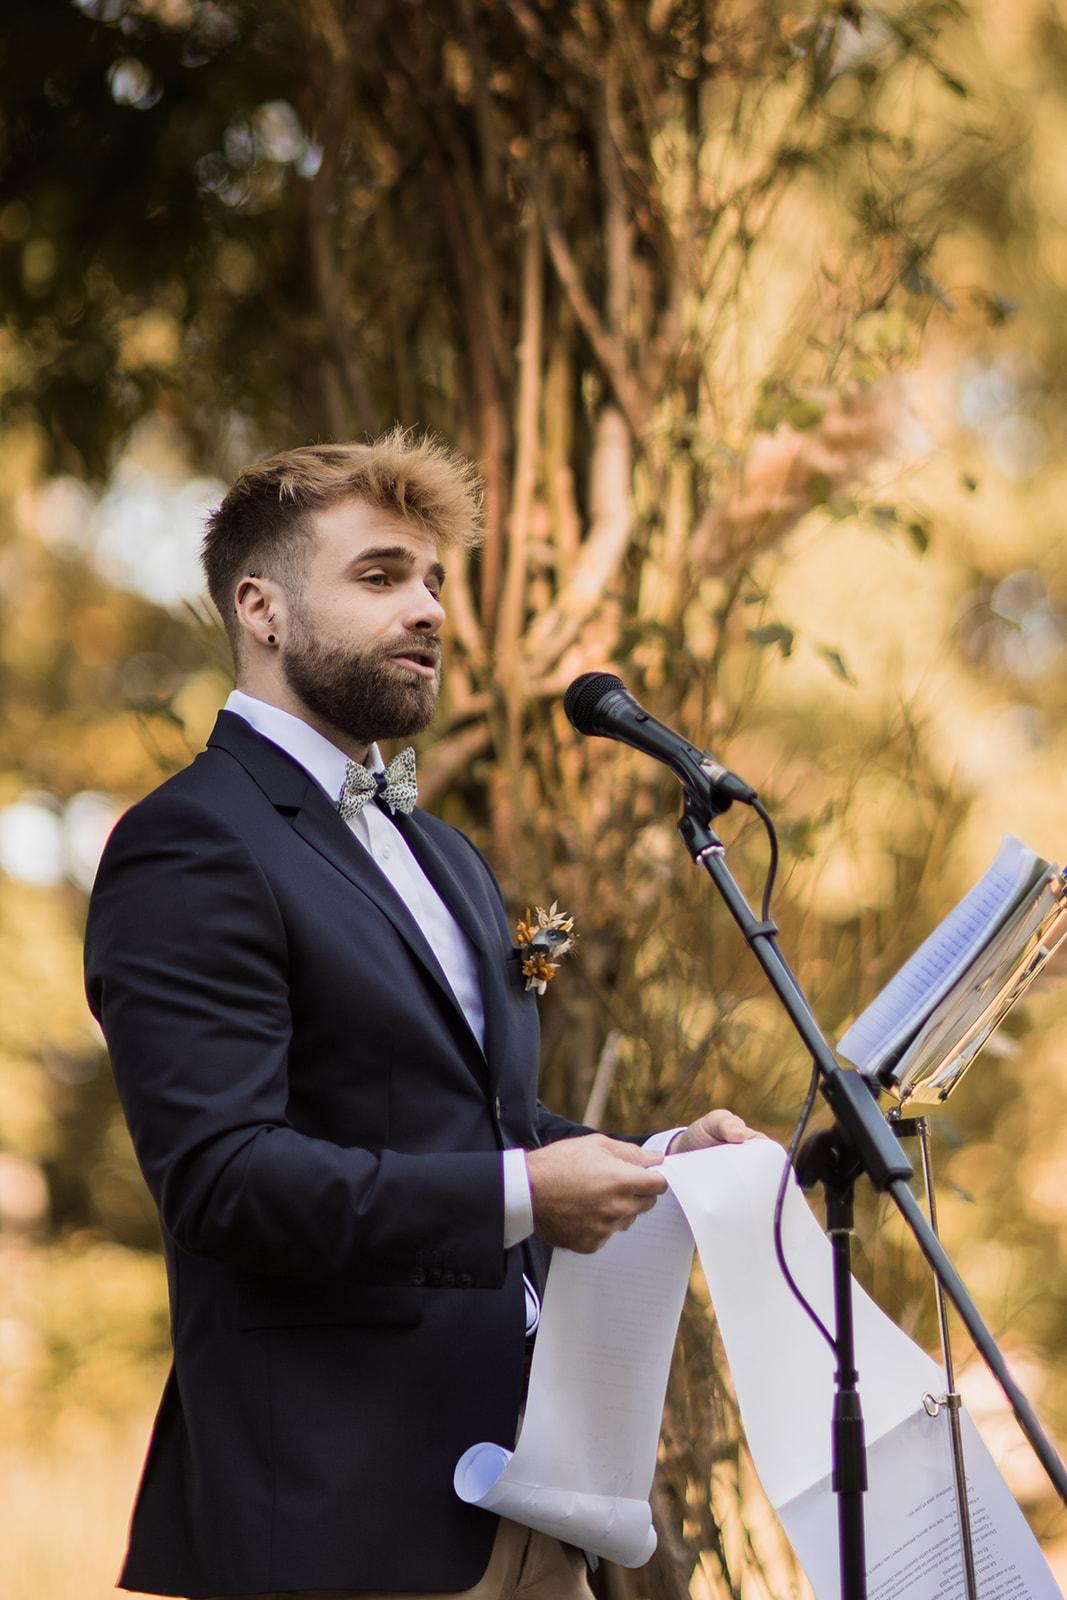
(425, 611)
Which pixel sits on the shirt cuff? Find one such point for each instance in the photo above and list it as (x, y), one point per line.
(518, 1202)
(660, 1141)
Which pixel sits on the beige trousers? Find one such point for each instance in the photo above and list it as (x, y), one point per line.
(525, 1565)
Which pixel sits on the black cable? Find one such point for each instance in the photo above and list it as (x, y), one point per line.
(779, 1206)
(772, 867)
(806, 1109)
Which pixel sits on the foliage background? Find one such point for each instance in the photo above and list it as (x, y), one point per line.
(753, 319)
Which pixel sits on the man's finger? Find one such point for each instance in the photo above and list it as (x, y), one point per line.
(635, 1154)
(731, 1128)
(726, 1127)
(646, 1183)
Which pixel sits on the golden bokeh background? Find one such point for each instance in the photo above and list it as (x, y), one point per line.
(754, 319)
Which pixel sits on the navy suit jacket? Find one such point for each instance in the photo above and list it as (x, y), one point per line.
(321, 1132)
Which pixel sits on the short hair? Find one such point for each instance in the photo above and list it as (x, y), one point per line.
(263, 526)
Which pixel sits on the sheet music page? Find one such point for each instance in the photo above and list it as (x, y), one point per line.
(942, 958)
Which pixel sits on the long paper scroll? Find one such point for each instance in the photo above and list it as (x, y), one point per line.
(583, 1466)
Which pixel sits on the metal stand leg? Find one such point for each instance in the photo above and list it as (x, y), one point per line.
(823, 1160)
(952, 1399)
(849, 1478)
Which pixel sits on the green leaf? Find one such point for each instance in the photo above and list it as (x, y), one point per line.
(779, 402)
(998, 308)
(156, 708)
(836, 660)
(921, 283)
(954, 84)
(774, 633)
(820, 488)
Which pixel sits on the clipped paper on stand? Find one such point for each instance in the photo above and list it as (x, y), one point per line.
(583, 1467)
(912, 1526)
(783, 1374)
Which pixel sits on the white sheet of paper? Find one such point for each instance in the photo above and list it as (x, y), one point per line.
(912, 1530)
(583, 1467)
(783, 1369)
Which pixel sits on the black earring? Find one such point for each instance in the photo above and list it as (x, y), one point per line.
(271, 639)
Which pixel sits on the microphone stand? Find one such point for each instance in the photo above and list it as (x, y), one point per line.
(861, 1141)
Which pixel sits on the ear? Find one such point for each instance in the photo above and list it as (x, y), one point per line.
(261, 611)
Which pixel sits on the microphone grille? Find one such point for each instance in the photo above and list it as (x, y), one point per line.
(584, 696)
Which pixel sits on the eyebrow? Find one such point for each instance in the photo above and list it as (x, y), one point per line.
(396, 552)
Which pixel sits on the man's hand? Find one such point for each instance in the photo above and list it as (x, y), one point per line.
(585, 1189)
(714, 1127)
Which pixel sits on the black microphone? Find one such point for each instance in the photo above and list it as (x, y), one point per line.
(599, 703)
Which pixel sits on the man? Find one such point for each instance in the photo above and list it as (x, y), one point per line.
(327, 1057)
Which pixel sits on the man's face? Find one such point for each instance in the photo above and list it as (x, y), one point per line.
(361, 648)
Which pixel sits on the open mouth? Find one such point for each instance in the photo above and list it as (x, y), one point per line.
(424, 662)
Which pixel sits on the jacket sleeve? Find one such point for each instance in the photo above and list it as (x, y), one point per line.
(550, 1127)
(186, 972)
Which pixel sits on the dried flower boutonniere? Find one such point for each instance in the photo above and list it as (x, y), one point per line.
(545, 936)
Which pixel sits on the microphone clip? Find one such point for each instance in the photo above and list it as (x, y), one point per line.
(706, 798)
(695, 825)
(719, 798)
(723, 786)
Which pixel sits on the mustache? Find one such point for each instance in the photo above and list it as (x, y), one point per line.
(419, 644)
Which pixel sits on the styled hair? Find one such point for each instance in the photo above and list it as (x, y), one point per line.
(263, 525)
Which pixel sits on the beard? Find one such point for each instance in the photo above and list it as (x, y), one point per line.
(361, 693)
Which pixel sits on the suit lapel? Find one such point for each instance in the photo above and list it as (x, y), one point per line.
(295, 793)
(477, 925)
(446, 880)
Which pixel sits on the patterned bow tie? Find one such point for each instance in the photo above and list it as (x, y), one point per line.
(396, 786)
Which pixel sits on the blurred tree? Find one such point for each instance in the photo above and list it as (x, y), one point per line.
(656, 267)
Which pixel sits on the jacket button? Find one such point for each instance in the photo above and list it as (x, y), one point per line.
(417, 1276)
(463, 1280)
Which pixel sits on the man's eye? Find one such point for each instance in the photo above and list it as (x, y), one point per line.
(375, 577)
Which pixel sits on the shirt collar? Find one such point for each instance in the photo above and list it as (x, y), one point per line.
(326, 764)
